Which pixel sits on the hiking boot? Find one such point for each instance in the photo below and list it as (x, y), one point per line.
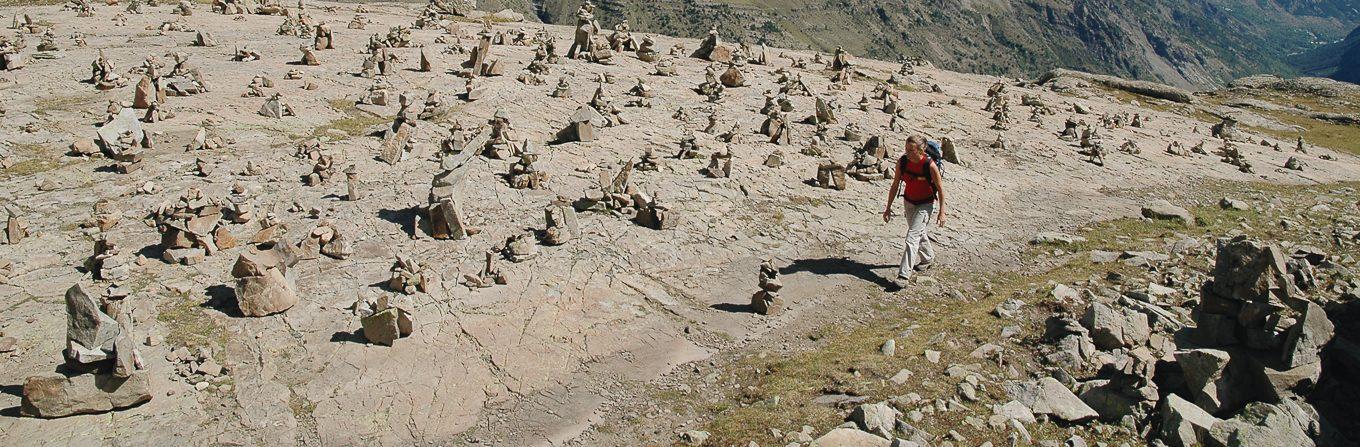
(901, 282)
(922, 266)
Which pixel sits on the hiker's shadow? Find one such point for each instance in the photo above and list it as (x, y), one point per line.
(841, 266)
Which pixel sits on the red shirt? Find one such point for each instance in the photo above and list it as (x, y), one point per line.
(918, 188)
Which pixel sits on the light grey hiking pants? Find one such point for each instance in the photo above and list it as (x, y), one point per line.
(919, 250)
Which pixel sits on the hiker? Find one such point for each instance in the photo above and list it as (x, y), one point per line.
(918, 177)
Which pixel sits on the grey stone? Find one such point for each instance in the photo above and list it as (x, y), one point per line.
(386, 326)
(1204, 371)
(1184, 424)
(1048, 396)
(879, 418)
(1014, 410)
(1116, 327)
(1262, 424)
(694, 437)
(1164, 210)
(90, 333)
(1055, 238)
(1306, 338)
(56, 395)
(849, 437)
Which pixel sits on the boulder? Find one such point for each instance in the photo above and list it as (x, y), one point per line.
(1108, 400)
(1183, 423)
(1113, 328)
(1145, 88)
(90, 333)
(1204, 372)
(1164, 210)
(1048, 396)
(1013, 410)
(849, 437)
(879, 418)
(57, 395)
(1306, 338)
(1055, 238)
(262, 286)
(386, 326)
(1262, 424)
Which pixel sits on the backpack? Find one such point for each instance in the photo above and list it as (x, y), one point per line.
(936, 154)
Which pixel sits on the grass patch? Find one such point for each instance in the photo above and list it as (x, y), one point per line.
(1331, 135)
(33, 159)
(355, 123)
(763, 392)
(188, 325)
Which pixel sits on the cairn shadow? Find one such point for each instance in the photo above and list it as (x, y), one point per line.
(735, 308)
(356, 336)
(841, 266)
(153, 251)
(222, 298)
(406, 217)
(13, 390)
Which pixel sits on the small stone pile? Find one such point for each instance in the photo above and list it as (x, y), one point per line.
(383, 323)
(191, 228)
(410, 277)
(263, 284)
(327, 240)
(767, 300)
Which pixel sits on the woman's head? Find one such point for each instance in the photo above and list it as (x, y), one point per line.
(916, 144)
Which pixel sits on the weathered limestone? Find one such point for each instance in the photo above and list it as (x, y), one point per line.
(58, 395)
(767, 301)
(101, 371)
(720, 164)
(652, 212)
(15, 229)
(263, 285)
(104, 76)
(323, 39)
(308, 57)
(712, 50)
(586, 30)
(581, 126)
(325, 239)
(352, 184)
(444, 213)
(479, 62)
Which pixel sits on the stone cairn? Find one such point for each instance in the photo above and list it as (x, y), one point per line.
(410, 277)
(191, 228)
(561, 225)
(767, 300)
(383, 323)
(264, 285)
(102, 366)
(490, 275)
(444, 214)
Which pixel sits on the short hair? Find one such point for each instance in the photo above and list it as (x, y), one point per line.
(917, 140)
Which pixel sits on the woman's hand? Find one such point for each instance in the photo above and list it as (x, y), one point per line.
(939, 220)
(887, 215)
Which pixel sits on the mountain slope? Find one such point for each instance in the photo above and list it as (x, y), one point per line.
(1189, 43)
